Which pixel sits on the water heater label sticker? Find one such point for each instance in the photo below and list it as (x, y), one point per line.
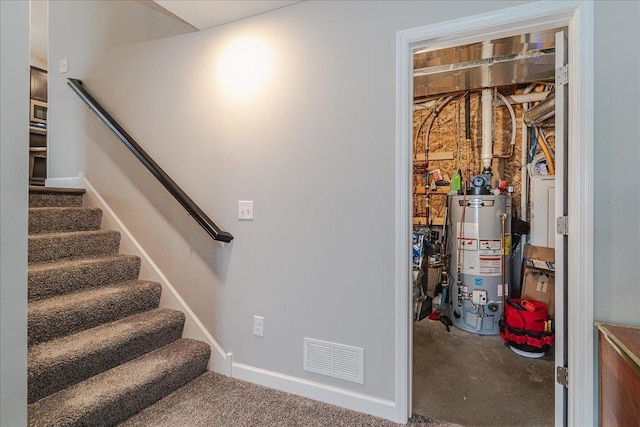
(470, 262)
(469, 230)
(491, 266)
(490, 245)
(468, 244)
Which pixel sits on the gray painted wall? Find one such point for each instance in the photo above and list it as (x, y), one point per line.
(617, 162)
(314, 149)
(83, 32)
(14, 143)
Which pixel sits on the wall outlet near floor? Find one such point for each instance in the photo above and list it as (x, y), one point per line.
(258, 326)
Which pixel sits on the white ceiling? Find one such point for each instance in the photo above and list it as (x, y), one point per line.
(201, 14)
(204, 14)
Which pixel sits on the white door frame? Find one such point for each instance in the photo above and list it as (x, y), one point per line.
(578, 17)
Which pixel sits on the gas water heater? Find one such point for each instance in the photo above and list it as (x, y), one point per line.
(480, 230)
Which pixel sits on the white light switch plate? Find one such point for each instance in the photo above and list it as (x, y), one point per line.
(245, 209)
(258, 326)
(63, 66)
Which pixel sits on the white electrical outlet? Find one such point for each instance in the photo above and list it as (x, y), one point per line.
(63, 65)
(258, 326)
(245, 209)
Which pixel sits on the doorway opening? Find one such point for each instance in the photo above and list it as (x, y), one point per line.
(38, 105)
(573, 403)
(483, 206)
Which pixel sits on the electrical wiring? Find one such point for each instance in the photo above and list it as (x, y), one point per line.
(544, 146)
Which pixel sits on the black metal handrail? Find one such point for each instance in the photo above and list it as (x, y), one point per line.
(201, 218)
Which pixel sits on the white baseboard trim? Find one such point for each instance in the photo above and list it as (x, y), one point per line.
(66, 182)
(170, 298)
(324, 393)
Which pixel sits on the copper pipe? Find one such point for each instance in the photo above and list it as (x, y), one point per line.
(503, 219)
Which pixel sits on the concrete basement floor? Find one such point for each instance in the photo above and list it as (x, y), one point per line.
(476, 380)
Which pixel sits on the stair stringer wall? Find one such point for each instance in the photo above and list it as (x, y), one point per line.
(220, 361)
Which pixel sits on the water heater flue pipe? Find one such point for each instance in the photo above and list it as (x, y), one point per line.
(541, 112)
(487, 125)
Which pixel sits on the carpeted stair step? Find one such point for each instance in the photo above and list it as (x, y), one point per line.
(55, 197)
(55, 220)
(66, 314)
(57, 364)
(61, 277)
(77, 244)
(116, 394)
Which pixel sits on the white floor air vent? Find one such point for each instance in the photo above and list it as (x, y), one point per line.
(335, 360)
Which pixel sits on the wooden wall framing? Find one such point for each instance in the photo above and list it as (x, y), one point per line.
(445, 145)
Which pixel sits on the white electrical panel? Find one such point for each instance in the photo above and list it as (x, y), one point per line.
(543, 211)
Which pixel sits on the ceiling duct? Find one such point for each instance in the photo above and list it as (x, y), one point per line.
(511, 60)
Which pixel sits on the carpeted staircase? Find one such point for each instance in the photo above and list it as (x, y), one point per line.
(100, 349)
